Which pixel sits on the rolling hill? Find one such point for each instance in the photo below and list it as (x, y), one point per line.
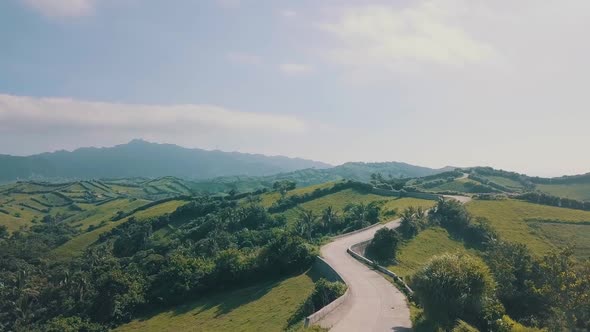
(139, 158)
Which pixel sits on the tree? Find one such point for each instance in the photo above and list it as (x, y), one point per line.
(413, 221)
(329, 218)
(72, 324)
(4, 232)
(565, 284)
(452, 287)
(382, 247)
(450, 214)
(512, 266)
(362, 215)
(306, 222)
(284, 186)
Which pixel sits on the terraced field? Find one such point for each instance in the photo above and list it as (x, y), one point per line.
(83, 203)
(78, 244)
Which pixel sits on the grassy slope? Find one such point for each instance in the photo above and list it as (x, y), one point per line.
(78, 244)
(263, 307)
(95, 214)
(269, 198)
(579, 191)
(512, 219)
(562, 235)
(431, 242)
(506, 182)
(342, 198)
(509, 218)
(456, 185)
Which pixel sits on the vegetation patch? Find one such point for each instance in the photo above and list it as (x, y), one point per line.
(509, 219)
(267, 306)
(413, 255)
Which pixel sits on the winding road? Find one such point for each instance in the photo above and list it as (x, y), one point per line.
(374, 304)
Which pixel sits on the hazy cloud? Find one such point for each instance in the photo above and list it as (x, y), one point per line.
(288, 13)
(28, 114)
(62, 8)
(295, 69)
(392, 38)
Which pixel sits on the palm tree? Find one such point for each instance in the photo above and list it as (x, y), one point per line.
(329, 218)
(307, 219)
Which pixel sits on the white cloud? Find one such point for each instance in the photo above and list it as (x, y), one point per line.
(295, 69)
(394, 38)
(62, 8)
(244, 58)
(29, 114)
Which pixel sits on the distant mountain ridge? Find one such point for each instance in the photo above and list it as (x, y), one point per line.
(139, 158)
(357, 171)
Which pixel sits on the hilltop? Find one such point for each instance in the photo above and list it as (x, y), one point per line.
(139, 158)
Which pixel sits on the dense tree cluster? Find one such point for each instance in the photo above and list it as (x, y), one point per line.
(453, 216)
(546, 199)
(389, 183)
(355, 216)
(203, 246)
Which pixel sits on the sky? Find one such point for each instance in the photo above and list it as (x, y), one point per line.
(433, 83)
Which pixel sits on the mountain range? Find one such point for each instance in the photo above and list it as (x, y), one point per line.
(139, 158)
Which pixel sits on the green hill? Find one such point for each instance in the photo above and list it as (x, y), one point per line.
(144, 159)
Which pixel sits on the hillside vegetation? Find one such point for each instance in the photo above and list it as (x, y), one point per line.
(121, 255)
(267, 306)
(532, 268)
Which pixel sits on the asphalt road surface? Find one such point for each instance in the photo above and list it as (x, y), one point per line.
(374, 303)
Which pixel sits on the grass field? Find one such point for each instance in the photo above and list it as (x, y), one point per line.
(431, 242)
(80, 203)
(77, 245)
(458, 185)
(95, 214)
(269, 198)
(562, 235)
(509, 218)
(263, 307)
(579, 191)
(506, 182)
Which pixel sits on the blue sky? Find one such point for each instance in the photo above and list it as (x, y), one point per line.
(435, 83)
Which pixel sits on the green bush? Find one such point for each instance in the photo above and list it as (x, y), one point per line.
(323, 294)
(383, 246)
(452, 287)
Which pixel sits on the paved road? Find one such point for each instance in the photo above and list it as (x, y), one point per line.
(374, 303)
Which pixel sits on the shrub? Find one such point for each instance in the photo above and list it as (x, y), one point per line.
(452, 287)
(72, 324)
(323, 293)
(383, 246)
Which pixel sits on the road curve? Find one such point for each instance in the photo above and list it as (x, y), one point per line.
(374, 303)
